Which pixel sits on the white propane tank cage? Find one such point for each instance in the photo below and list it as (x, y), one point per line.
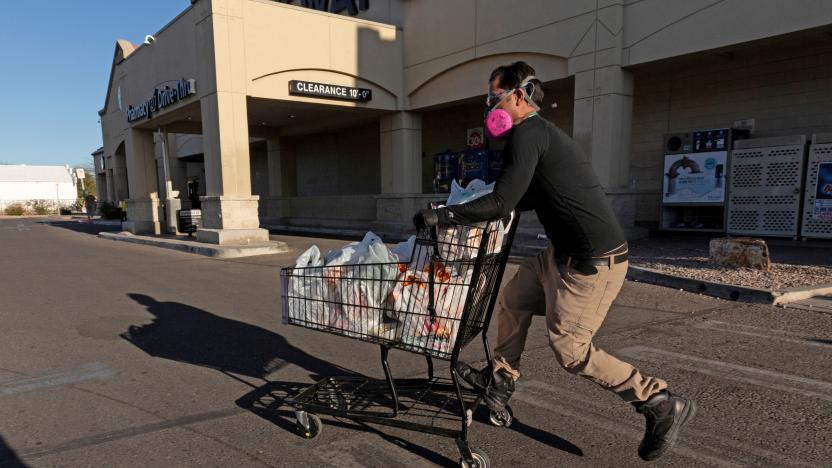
(820, 151)
(766, 186)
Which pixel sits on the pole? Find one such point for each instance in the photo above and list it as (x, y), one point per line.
(169, 208)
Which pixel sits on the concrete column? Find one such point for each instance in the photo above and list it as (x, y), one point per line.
(275, 168)
(278, 173)
(111, 191)
(401, 153)
(229, 210)
(101, 185)
(143, 204)
(603, 120)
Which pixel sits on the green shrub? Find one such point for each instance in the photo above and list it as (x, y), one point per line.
(40, 207)
(14, 209)
(110, 211)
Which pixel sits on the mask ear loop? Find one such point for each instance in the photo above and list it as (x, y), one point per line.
(527, 94)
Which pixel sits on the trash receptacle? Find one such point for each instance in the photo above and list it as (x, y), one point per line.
(189, 220)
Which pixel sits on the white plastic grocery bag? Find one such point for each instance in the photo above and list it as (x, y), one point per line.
(466, 240)
(365, 278)
(475, 189)
(308, 291)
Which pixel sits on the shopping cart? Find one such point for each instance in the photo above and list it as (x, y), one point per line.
(435, 305)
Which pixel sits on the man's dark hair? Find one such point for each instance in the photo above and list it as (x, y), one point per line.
(510, 76)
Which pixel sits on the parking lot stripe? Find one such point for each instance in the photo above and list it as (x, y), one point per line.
(89, 371)
(727, 371)
(748, 330)
(553, 403)
(697, 444)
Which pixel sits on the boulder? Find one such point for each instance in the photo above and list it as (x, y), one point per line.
(740, 252)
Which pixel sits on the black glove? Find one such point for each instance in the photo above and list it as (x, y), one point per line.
(426, 218)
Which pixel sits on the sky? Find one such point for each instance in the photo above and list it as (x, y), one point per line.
(55, 59)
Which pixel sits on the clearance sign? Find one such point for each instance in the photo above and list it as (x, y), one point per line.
(329, 91)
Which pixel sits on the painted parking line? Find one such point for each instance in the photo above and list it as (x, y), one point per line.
(548, 400)
(748, 330)
(738, 373)
(706, 447)
(84, 372)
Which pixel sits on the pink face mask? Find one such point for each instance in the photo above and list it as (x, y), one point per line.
(498, 124)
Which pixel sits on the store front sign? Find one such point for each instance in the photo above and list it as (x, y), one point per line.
(161, 98)
(333, 6)
(329, 91)
(823, 196)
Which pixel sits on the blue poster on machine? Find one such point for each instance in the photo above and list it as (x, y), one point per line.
(823, 196)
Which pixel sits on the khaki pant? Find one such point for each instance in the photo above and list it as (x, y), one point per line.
(575, 306)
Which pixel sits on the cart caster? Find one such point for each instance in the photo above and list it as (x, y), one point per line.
(502, 418)
(308, 425)
(480, 460)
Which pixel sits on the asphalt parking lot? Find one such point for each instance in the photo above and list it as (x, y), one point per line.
(114, 354)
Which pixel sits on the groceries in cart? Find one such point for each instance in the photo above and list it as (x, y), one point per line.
(413, 294)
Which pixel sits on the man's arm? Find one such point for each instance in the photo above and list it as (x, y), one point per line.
(519, 163)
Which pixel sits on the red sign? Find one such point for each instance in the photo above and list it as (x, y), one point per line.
(475, 139)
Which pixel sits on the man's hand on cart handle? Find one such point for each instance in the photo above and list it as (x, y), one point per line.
(426, 218)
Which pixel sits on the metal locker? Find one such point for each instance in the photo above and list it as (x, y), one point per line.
(766, 181)
(820, 151)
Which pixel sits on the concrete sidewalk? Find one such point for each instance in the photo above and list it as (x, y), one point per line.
(186, 244)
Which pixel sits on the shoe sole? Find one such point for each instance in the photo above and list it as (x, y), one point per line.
(687, 416)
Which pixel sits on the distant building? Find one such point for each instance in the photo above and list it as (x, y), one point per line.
(23, 184)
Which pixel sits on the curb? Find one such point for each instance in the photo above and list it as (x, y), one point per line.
(729, 292)
(199, 248)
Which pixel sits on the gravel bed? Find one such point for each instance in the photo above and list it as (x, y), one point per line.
(694, 263)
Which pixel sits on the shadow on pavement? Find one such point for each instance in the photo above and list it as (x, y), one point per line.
(821, 341)
(8, 457)
(86, 228)
(268, 402)
(546, 438)
(183, 333)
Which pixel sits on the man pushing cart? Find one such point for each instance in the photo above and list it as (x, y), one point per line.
(440, 300)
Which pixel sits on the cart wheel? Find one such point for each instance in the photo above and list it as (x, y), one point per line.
(308, 425)
(480, 460)
(502, 418)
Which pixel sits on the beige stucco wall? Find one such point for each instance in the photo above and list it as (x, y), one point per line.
(170, 58)
(284, 42)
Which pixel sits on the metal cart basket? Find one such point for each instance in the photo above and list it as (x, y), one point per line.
(435, 305)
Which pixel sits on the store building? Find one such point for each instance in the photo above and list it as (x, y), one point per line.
(326, 115)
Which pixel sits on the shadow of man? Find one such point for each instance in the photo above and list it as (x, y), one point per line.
(8, 457)
(183, 333)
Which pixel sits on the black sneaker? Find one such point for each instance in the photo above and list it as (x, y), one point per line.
(665, 415)
(497, 393)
